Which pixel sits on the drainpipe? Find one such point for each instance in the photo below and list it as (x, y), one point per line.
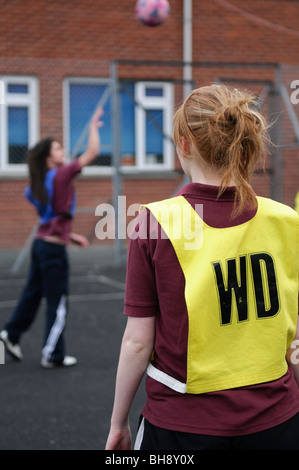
(187, 46)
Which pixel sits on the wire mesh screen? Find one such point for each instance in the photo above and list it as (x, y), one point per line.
(17, 134)
(144, 115)
(84, 97)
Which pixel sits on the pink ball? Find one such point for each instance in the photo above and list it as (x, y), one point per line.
(152, 12)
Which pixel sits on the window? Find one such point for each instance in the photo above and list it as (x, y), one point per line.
(18, 120)
(145, 122)
(153, 124)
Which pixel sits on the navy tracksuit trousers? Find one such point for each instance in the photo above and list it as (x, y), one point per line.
(48, 278)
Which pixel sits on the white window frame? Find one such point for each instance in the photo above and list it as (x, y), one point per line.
(165, 103)
(30, 100)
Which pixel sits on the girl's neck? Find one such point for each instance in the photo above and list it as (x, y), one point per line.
(206, 176)
(211, 180)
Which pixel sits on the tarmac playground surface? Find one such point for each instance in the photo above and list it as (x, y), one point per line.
(66, 408)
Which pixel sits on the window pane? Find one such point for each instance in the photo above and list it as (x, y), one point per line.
(153, 91)
(17, 134)
(17, 88)
(83, 100)
(154, 136)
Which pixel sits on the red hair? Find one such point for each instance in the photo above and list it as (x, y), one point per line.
(224, 129)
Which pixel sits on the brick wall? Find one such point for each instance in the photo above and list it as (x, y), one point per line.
(55, 40)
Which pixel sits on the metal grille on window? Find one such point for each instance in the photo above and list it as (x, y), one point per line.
(83, 99)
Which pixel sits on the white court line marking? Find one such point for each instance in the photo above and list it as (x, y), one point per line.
(75, 298)
(89, 277)
(111, 282)
(12, 282)
(93, 297)
(8, 303)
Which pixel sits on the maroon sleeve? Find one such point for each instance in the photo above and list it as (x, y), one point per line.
(63, 186)
(67, 172)
(141, 298)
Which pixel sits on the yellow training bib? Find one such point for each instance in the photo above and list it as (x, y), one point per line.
(241, 291)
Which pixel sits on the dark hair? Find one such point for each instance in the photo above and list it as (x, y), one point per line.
(38, 168)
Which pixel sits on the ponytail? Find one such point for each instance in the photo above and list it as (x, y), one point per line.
(38, 168)
(227, 132)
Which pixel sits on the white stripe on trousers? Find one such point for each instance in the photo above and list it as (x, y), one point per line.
(56, 329)
(139, 436)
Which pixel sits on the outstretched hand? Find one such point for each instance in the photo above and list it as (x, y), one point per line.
(96, 118)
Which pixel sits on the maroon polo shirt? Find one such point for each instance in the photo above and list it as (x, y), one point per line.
(60, 226)
(155, 287)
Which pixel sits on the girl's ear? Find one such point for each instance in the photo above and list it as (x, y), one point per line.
(185, 147)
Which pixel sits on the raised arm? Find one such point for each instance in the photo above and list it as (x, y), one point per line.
(93, 144)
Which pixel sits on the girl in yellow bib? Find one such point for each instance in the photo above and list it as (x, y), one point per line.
(212, 296)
